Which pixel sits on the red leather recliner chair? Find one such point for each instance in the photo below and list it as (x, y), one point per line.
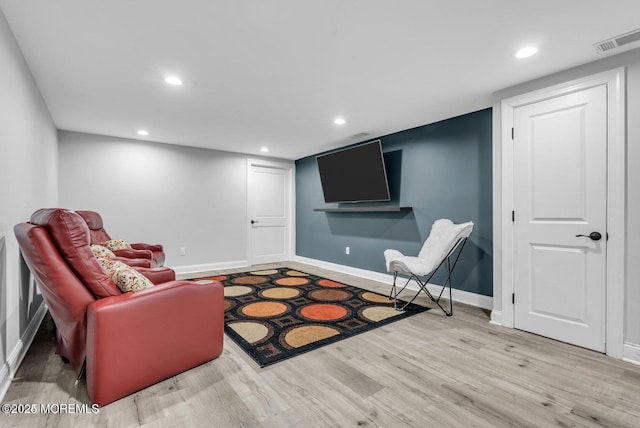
(129, 341)
(153, 252)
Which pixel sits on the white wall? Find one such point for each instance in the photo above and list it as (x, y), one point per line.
(631, 61)
(28, 181)
(160, 193)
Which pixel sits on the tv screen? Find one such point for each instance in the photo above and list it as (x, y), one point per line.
(354, 174)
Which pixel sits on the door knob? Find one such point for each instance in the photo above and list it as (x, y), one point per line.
(594, 236)
(254, 221)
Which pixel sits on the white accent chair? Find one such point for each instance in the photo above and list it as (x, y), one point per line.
(439, 248)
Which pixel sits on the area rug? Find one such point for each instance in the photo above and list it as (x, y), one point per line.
(279, 313)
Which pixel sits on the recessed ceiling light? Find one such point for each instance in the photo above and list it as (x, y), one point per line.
(339, 121)
(264, 149)
(527, 52)
(143, 132)
(173, 80)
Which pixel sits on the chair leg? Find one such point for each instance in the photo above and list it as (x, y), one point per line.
(422, 288)
(392, 293)
(450, 295)
(446, 284)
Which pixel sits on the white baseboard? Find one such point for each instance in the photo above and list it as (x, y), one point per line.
(19, 351)
(631, 353)
(496, 317)
(461, 296)
(193, 269)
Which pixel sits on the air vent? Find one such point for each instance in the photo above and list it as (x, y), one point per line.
(359, 136)
(616, 42)
(606, 46)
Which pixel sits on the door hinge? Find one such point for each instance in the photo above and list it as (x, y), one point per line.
(513, 298)
(513, 216)
(512, 134)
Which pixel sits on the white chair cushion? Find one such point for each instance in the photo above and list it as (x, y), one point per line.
(442, 239)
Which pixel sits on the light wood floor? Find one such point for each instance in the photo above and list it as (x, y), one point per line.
(423, 371)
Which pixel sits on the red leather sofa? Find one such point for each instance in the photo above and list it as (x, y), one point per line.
(152, 252)
(127, 341)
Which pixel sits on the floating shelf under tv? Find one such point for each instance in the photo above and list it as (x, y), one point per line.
(370, 209)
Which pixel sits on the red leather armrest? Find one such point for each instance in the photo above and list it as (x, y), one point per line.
(134, 254)
(158, 275)
(139, 338)
(143, 246)
(146, 263)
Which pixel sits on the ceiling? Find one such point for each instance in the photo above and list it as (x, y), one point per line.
(276, 73)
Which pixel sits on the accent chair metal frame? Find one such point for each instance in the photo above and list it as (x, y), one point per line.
(424, 284)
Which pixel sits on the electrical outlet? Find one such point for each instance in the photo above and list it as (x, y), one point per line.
(347, 250)
(183, 251)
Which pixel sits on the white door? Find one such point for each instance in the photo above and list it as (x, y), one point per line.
(270, 213)
(560, 192)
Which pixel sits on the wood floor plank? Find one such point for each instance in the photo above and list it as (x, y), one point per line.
(427, 370)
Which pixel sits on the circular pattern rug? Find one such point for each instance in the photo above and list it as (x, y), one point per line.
(276, 314)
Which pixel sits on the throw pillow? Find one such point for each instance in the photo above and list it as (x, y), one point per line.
(124, 276)
(101, 251)
(116, 244)
(128, 279)
(110, 266)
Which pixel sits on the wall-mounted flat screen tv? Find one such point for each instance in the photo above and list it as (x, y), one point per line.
(354, 174)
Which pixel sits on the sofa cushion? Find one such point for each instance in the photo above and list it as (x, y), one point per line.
(125, 277)
(128, 279)
(109, 265)
(70, 234)
(116, 244)
(101, 251)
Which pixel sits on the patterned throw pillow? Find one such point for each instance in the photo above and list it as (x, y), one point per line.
(100, 251)
(125, 277)
(110, 266)
(116, 244)
(128, 279)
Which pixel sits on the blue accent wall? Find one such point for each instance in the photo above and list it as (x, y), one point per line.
(442, 170)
